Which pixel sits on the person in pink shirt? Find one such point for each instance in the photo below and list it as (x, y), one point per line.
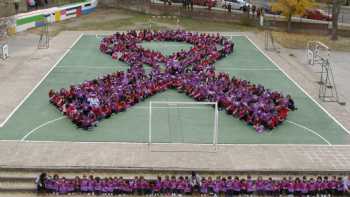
(312, 187)
(244, 187)
(276, 188)
(297, 187)
(290, 186)
(304, 186)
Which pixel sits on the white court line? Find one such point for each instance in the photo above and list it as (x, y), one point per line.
(147, 107)
(38, 84)
(307, 94)
(310, 130)
(40, 126)
(146, 143)
(248, 69)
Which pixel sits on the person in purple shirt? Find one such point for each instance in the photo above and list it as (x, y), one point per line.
(91, 184)
(98, 186)
(332, 185)
(250, 186)
(210, 183)
(157, 186)
(259, 184)
(236, 186)
(324, 185)
(204, 187)
(84, 184)
(284, 186)
(63, 186)
(188, 188)
(166, 185)
(340, 186)
(109, 186)
(145, 186)
(229, 186)
(319, 189)
(216, 186)
(173, 185)
(268, 186)
(180, 188)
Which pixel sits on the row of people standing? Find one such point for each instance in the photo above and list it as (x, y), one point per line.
(195, 184)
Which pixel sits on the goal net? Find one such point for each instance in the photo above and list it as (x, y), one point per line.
(185, 123)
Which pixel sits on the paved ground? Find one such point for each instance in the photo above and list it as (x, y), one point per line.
(26, 66)
(119, 155)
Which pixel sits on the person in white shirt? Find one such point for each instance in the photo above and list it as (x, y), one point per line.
(347, 185)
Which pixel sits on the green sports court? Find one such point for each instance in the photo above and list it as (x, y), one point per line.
(38, 120)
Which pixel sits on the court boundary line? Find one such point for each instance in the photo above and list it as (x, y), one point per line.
(165, 143)
(23, 139)
(302, 89)
(41, 80)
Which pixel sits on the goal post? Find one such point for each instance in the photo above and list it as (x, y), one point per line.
(189, 106)
(317, 52)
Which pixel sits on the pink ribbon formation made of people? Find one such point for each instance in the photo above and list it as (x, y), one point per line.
(188, 71)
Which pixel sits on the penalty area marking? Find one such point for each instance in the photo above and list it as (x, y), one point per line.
(40, 126)
(42, 79)
(295, 83)
(309, 130)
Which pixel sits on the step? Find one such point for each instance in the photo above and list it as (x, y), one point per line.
(17, 179)
(18, 185)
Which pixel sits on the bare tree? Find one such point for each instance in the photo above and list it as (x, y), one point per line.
(335, 16)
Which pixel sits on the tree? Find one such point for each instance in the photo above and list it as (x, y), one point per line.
(290, 8)
(335, 16)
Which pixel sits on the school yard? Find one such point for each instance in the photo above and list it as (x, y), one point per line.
(315, 137)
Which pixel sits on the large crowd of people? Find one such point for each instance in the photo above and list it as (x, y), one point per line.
(191, 72)
(195, 184)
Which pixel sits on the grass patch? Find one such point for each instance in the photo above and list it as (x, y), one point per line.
(119, 19)
(299, 41)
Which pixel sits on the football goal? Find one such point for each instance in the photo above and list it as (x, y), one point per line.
(183, 124)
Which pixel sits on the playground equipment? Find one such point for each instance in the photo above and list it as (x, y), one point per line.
(318, 53)
(44, 41)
